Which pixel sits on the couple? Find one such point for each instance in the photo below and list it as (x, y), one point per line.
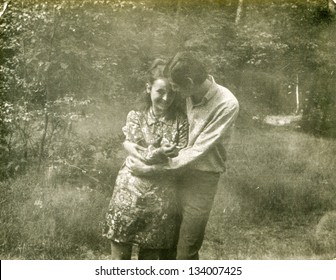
(165, 190)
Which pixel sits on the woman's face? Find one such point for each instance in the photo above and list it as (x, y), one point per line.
(162, 95)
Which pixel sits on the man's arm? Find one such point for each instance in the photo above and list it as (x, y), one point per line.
(220, 126)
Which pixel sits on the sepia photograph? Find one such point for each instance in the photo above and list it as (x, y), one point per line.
(168, 130)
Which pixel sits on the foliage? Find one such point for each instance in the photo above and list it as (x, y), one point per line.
(85, 49)
(70, 70)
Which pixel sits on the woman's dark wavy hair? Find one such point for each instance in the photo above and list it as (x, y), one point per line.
(183, 66)
(155, 72)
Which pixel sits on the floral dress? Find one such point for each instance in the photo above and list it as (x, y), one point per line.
(143, 210)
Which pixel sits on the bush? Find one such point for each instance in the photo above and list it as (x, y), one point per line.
(324, 237)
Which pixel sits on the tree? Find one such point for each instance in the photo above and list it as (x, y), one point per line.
(332, 6)
(3, 9)
(239, 11)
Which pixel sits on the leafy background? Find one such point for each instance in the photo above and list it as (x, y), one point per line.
(70, 72)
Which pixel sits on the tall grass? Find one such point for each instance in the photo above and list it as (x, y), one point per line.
(282, 171)
(278, 185)
(61, 222)
(57, 213)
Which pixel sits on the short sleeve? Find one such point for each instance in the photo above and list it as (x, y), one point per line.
(132, 129)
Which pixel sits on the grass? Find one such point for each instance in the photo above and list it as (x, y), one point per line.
(276, 201)
(279, 186)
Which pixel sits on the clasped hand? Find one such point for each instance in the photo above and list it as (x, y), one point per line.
(169, 150)
(137, 166)
(135, 162)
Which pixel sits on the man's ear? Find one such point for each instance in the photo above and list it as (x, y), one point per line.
(148, 88)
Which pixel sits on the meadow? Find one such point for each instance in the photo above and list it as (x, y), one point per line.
(275, 201)
(70, 72)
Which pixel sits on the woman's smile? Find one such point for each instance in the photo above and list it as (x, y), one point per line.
(161, 96)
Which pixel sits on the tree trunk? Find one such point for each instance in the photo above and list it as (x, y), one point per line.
(46, 111)
(3, 9)
(297, 95)
(332, 6)
(239, 11)
(44, 136)
(178, 12)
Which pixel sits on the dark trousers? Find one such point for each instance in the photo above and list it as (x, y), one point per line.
(156, 254)
(196, 191)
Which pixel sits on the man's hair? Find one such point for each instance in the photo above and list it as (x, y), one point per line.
(183, 66)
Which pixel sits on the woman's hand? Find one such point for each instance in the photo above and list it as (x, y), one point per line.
(137, 167)
(134, 149)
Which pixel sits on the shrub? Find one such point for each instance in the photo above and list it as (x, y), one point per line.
(324, 237)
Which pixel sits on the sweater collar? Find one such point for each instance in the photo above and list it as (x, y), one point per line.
(209, 95)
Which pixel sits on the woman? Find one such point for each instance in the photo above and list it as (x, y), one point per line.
(143, 210)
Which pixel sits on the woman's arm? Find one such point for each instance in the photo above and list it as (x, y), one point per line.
(169, 150)
(134, 138)
(180, 138)
(149, 155)
(134, 149)
(140, 168)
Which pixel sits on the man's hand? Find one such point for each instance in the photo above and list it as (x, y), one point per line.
(137, 167)
(134, 149)
(169, 150)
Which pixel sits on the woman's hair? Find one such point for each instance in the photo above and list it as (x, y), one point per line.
(155, 72)
(183, 66)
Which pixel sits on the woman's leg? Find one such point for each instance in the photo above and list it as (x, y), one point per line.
(121, 251)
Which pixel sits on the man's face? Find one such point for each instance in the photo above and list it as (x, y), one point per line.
(184, 91)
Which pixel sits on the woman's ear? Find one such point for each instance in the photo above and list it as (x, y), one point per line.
(190, 82)
(148, 88)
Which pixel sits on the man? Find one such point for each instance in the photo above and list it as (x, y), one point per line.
(211, 111)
